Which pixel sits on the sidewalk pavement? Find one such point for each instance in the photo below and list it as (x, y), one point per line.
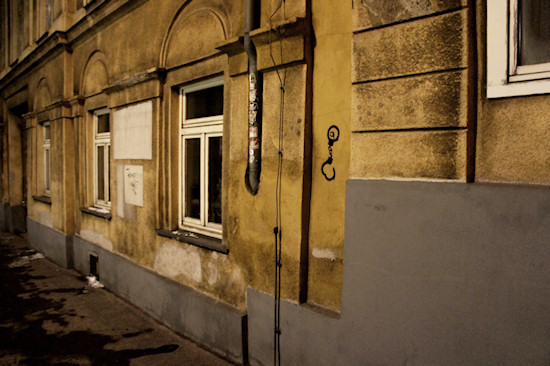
(52, 316)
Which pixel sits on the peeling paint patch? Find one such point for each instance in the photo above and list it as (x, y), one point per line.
(324, 254)
(235, 226)
(213, 274)
(45, 218)
(236, 279)
(120, 191)
(173, 260)
(96, 238)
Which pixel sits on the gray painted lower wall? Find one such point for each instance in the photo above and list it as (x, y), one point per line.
(307, 337)
(211, 323)
(52, 243)
(434, 274)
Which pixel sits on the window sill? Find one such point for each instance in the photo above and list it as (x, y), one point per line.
(192, 238)
(95, 212)
(518, 89)
(43, 199)
(42, 37)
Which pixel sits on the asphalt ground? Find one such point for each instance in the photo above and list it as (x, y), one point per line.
(52, 316)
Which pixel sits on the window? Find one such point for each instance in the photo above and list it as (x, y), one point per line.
(102, 155)
(201, 125)
(46, 146)
(518, 47)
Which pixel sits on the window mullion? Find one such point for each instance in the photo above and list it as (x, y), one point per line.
(182, 167)
(203, 189)
(513, 37)
(106, 173)
(207, 179)
(95, 171)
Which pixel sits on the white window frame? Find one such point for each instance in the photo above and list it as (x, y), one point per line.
(47, 151)
(102, 139)
(504, 77)
(202, 128)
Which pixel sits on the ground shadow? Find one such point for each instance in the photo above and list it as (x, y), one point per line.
(24, 308)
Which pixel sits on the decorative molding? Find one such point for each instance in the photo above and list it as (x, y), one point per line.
(232, 46)
(280, 30)
(43, 199)
(138, 78)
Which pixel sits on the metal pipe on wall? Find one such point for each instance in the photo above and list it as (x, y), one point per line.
(252, 177)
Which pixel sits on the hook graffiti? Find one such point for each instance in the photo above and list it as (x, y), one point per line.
(328, 162)
(333, 134)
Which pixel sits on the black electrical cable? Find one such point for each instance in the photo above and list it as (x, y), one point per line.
(277, 229)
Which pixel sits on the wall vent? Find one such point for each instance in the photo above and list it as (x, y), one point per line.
(94, 265)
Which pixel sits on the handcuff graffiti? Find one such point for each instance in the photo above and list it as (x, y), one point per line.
(333, 134)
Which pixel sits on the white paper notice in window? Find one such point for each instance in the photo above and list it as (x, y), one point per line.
(133, 132)
(133, 185)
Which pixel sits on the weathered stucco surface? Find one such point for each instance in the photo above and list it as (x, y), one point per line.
(251, 236)
(396, 78)
(375, 13)
(512, 133)
(424, 45)
(411, 81)
(173, 260)
(97, 238)
(426, 101)
(331, 107)
(513, 140)
(419, 154)
(110, 67)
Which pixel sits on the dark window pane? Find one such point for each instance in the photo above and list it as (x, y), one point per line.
(108, 174)
(193, 178)
(47, 132)
(534, 32)
(103, 123)
(100, 173)
(215, 180)
(204, 103)
(47, 169)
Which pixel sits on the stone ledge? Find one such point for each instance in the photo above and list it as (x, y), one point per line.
(188, 237)
(43, 199)
(94, 212)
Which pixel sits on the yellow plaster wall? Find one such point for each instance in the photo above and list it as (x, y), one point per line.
(252, 218)
(47, 85)
(513, 140)
(277, 10)
(513, 134)
(129, 53)
(331, 106)
(40, 98)
(411, 90)
(128, 49)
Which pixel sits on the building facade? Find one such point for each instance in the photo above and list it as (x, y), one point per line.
(360, 182)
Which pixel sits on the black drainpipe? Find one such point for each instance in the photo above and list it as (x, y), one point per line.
(252, 177)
